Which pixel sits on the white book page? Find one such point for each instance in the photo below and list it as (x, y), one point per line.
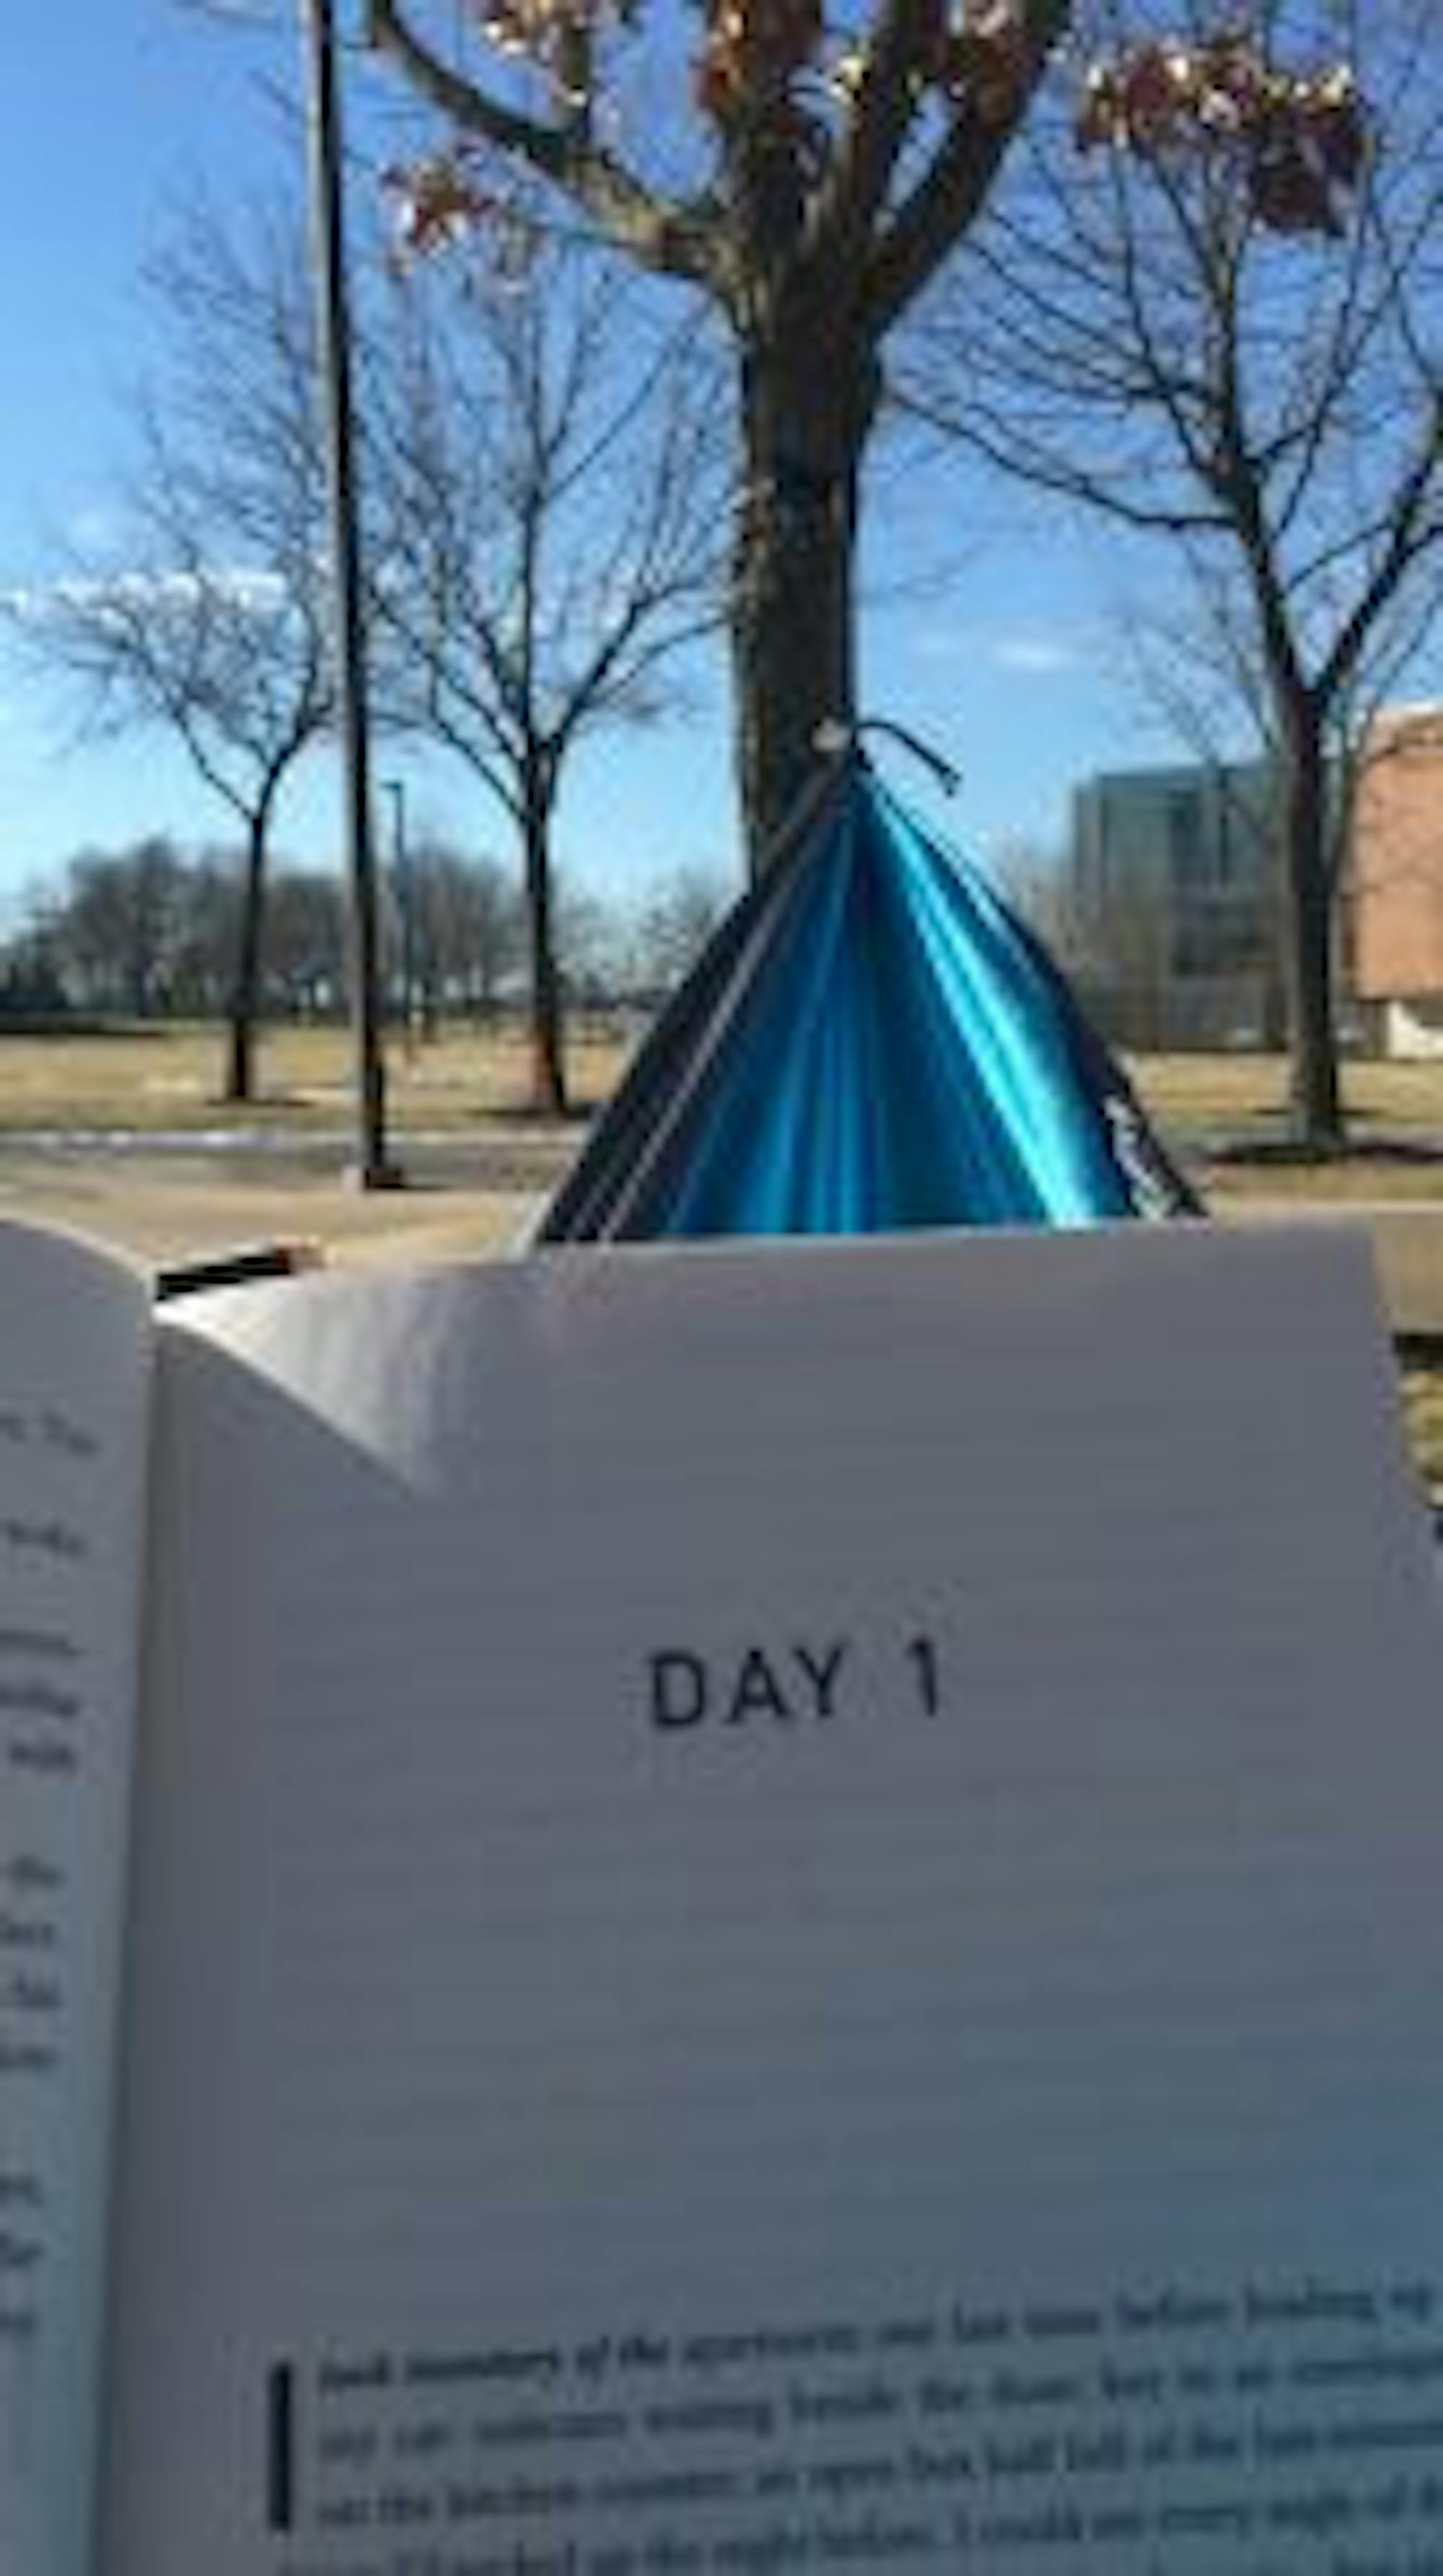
(789, 1918)
(74, 1361)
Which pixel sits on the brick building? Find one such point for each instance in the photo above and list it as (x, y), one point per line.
(1396, 887)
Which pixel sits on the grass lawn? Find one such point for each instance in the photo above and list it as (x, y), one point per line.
(1248, 1092)
(1226, 1114)
(152, 1078)
(169, 1077)
(1423, 1417)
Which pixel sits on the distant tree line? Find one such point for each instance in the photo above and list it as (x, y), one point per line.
(150, 932)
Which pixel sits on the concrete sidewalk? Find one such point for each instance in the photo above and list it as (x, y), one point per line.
(179, 1208)
(1407, 1237)
(479, 1196)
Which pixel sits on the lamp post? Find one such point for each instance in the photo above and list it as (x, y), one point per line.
(373, 1170)
(406, 900)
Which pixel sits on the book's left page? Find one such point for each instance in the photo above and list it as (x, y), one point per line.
(75, 1349)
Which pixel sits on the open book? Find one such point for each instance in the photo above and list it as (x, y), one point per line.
(741, 1909)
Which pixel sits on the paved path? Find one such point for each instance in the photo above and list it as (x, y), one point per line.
(172, 1207)
(166, 1197)
(1407, 1234)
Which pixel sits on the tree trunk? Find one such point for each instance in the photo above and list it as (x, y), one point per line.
(548, 1063)
(245, 991)
(1308, 934)
(804, 423)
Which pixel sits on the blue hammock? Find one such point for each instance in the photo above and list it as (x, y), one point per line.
(870, 1042)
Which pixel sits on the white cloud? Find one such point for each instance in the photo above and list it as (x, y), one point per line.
(92, 526)
(253, 592)
(1037, 655)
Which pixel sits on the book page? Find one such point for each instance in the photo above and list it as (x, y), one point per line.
(74, 1357)
(789, 1920)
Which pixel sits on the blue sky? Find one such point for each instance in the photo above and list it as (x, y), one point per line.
(113, 108)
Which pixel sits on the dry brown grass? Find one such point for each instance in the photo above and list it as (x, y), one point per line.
(152, 1079)
(1226, 1117)
(162, 1077)
(1243, 1093)
(1423, 1416)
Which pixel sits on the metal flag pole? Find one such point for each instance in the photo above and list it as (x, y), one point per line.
(374, 1170)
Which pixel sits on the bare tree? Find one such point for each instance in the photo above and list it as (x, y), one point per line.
(672, 928)
(305, 944)
(469, 928)
(808, 181)
(114, 928)
(1115, 939)
(206, 617)
(1254, 377)
(1038, 884)
(204, 939)
(544, 538)
(591, 932)
(1201, 663)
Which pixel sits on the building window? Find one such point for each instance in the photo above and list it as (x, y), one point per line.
(1187, 864)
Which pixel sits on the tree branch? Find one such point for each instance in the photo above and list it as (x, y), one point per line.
(955, 186)
(665, 235)
(1411, 533)
(861, 173)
